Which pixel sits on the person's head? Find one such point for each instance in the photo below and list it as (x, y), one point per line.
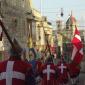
(49, 60)
(16, 53)
(62, 59)
(43, 54)
(16, 50)
(32, 54)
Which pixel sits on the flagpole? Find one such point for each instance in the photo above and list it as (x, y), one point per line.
(5, 31)
(47, 46)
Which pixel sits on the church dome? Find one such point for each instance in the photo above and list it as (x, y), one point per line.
(71, 20)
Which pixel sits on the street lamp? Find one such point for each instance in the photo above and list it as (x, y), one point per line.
(61, 12)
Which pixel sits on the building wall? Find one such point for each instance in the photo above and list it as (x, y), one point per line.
(39, 27)
(14, 15)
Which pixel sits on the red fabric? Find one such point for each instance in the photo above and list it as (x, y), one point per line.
(73, 70)
(39, 65)
(76, 41)
(52, 79)
(62, 77)
(78, 58)
(19, 66)
(76, 31)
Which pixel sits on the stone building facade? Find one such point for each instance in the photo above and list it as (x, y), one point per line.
(41, 25)
(21, 22)
(15, 15)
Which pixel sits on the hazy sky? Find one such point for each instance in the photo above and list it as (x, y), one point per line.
(52, 8)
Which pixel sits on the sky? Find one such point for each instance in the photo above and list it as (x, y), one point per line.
(52, 9)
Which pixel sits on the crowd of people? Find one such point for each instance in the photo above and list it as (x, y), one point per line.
(20, 69)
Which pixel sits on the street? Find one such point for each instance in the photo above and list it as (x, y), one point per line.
(81, 79)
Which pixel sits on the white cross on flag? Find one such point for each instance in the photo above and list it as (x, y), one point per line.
(9, 75)
(77, 53)
(48, 71)
(62, 67)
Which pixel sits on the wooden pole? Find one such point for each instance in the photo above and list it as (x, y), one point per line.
(6, 33)
(48, 46)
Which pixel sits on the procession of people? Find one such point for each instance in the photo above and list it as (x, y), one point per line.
(31, 71)
(38, 67)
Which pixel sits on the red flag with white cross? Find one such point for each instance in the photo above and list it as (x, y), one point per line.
(62, 67)
(77, 53)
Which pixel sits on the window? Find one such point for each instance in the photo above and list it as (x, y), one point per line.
(12, 2)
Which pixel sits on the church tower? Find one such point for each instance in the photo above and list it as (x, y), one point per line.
(70, 25)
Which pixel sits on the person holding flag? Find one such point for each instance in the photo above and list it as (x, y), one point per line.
(74, 72)
(14, 71)
(62, 69)
(77, 54)
(48, 73)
